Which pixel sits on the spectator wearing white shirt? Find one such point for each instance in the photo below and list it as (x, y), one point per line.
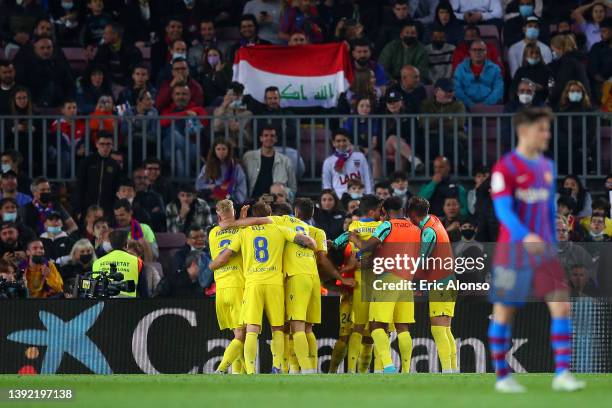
(512, 8)
(531, 28)
(478, 11)
(588, 18)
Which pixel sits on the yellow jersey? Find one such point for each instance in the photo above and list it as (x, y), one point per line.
(297, 259)
(230, 275)
(365, 228)
(262, 252)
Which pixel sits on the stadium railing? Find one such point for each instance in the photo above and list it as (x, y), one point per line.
(469, 140)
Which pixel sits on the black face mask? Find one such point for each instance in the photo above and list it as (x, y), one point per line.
(409, 40)
(437, 45)
(468, 233)
(38, 259)
(362, 61)
(85, 258)
(45, 198)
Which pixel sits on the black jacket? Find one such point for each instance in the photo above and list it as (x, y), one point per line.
(118, 65)
(565, 69)
(539, 73)
(332, 222)
(50, 81)
(97, 182)
(57, 247)
(179, 285)
(178, 260)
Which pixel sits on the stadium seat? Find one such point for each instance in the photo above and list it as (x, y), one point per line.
(321, 146)
(228, 33)
(169, 243)
(480, 108)
(430, 91)
(489, 31)
(76, 58)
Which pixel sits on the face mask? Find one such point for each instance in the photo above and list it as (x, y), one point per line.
(356, 196)
(67, 5)
(575, 96)
(526, 10)
(532, 33)
(525, 99)
(106, 246)
(38, 259)
(213, 60)
(342, 151)
(54, 230)
(399, 192)
(86, 258)
(176, 55)
(409, 40)
(45, 197)
(533, 61)
(555, 56)
(468, 233)
(6, 167)
(596, 235)
(437, 45)
(145, 11)
(189, 3)
(9, 217)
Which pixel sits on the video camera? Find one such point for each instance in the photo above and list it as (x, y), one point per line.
(12, 290)
(100, 284)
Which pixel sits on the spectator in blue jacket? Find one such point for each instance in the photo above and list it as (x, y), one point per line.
(477, 79)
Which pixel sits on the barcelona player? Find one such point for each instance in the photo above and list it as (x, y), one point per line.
(526, 263)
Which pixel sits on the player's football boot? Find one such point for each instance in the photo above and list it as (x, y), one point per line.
(219, 372)
(276, 370)
(567, 382)
(508, 385)
(390, 369)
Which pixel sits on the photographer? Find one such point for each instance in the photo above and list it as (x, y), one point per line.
(127, 264)
(10, 286)
(41, 275)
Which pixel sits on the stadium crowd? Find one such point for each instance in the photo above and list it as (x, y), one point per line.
(148, 58)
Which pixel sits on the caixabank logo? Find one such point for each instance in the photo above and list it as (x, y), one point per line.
(60, 339)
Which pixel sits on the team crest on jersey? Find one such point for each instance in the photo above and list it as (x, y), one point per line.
(497, 182)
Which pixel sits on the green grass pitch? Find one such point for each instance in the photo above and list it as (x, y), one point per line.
(314, 391)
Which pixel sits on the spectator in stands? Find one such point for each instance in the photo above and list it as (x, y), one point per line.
(480, 175)
(208, 39)
(442, 186)
(446, 106)
(222, 176)
(478, 80)
(368, 134)
(185, 283)
(124, 218)
(117, 56)
(155, 181)
(18, 19)
(41, 275)
(72, 132)
(462, 52)
(488, 224)
(398, 131)
(127, 191)
(178, 49)
(534, 69)
(56, 242)
(354, 192)
(102, 231)
(399, 184)
(600, 59)
(7, 85)
(24, 132)
(361, 55)
(581, 282)
(363, 85)
(600, 207)
(8, 189)
(35, 213)
(248, 36)
(523, 9)
(565, 67)
(345, 164)
(11, 160)
(160, 51)
(589, 16)
(281, 195)
(140, 81)
(12, 243)
(446, 22)
(478, 11)
(141, 21)
(328, 215)
(304, 17)
(141, 120)
(180, 76)
(525, 97)
(181, 134)
(266, 166)
(575, 99)
(196, 241)
(81, 258)
(516, 51)
(413, 91)
(93, 85)
(103, 118)
(150, 273)
(268, 14)
(406, 50)
(93, 213)
(149, 200)
(186, 210)
(215, 76)
(95, 22)
(573, 187)
(440, 54)
(596, 232)
(97, 177)
(394, 24)
(382, 190)
(451, 219)
(233, 116)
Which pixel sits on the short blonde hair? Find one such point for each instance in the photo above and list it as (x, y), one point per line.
(225, 207)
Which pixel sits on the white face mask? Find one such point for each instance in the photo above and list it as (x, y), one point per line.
(525, 99)
(6, 167)
(106, 246)
(399, 192)
(575, 96)
(145, 11)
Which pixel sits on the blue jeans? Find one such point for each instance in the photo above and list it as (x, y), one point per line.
(184, 161)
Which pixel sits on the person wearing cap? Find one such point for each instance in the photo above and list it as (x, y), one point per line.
(477, 79)
(440, 54)
(56, 242)
(8, 189)
(519, 11)
(187, 210)
(405, 50)
(445, 104)
(531, 28)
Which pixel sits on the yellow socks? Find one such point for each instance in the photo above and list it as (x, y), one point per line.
(443, 345)
(250, 352)
(277, 347)
(337, 356)
(238, 366)
(313, 351)
(286, 353)
(365, 358)
(453, 349)
(231, 354)
(300, 345)
(383, 346)
(378, 366)
(354, 347)
(404, 341)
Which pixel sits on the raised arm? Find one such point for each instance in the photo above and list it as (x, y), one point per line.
(245, 222)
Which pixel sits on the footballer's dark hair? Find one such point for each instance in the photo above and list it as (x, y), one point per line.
(368, 203)
(118, 238)
(418, 205)
(261, 209)
(393, 204)
(531, 115)
(305, 206)
(281, 209)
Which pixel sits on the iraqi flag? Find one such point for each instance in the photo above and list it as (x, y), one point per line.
(306, 75)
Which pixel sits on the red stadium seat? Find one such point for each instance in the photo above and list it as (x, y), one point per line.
(169, 243)
(489, 31)
(76, 58)
(480, 108)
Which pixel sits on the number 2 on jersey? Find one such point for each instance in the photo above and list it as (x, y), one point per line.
(224, 243)
(261, 249)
